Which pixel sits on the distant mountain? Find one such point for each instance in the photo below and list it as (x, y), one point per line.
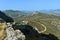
(14, 13)
(57, 11)
(5, 17)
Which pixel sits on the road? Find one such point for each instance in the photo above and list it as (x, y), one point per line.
(32, 20)
(42, 26)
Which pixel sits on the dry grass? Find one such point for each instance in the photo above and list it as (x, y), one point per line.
(2, 30)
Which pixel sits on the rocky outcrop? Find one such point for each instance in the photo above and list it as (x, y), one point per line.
(14, 34)
(10, 33)
(20, 35)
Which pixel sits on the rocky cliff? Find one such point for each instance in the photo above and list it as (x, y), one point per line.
(13, 34)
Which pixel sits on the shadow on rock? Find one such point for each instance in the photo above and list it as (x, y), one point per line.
(5, 17)
(32, 34)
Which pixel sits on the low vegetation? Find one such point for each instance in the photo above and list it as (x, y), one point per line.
(52, 23)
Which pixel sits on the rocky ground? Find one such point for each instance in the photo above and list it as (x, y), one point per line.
(13, 34)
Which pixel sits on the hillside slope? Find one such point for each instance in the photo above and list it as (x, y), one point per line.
(52, 22)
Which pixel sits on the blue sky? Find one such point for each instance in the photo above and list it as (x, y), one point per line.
(29, 5)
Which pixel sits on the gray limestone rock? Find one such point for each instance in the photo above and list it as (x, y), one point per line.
(14, 34)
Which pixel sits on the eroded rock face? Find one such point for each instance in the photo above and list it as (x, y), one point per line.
(14, 34)
(20, 35)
